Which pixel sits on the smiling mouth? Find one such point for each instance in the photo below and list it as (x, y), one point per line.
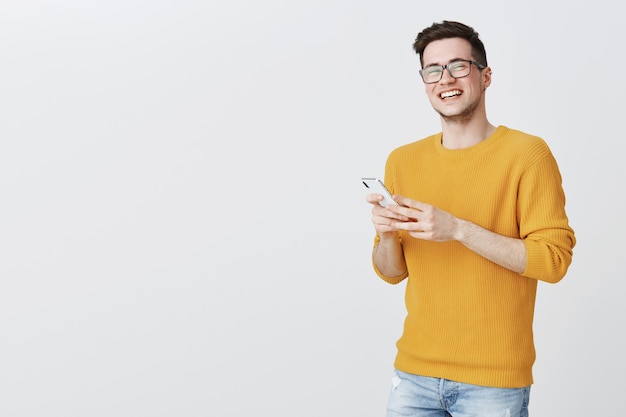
(450, 94)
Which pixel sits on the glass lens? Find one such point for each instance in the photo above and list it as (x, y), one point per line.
(432, 74)
(459, 68)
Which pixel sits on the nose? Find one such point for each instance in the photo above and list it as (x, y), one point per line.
(446, 77)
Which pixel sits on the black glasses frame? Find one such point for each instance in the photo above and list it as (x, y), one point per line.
(445, 67)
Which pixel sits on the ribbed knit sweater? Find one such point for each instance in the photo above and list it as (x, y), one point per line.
(469, 319)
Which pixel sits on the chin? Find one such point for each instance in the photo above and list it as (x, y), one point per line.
(457, 117)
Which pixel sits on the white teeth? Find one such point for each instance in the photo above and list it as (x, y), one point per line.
(449, 94)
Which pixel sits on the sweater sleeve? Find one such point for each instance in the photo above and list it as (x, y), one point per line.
(387, 279)
(544, 225)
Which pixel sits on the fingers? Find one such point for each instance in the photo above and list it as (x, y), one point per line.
(384, 219)
(394, 218)
(374, 198)
(390, 213)
(408, 202)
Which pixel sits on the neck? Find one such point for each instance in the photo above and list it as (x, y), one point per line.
(463, 134)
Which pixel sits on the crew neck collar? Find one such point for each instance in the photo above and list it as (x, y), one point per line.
(471, 150)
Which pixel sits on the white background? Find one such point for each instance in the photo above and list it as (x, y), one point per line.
(183, 231)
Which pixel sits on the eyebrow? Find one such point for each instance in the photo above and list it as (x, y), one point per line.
(452, 60)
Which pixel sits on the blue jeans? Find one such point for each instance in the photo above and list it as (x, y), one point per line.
(418, 396)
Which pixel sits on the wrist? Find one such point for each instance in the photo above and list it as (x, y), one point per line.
(462, 230)
(388, 236)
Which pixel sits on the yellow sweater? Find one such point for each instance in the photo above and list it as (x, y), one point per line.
(468, 319)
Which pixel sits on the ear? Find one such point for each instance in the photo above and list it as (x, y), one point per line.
(486, 77)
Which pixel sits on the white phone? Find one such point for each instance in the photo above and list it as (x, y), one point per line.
(377, 186)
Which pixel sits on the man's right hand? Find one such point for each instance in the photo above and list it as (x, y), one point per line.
(383, 218)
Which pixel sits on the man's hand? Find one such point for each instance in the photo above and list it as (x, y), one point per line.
(387, 254)
(423, 221)
(384, 218)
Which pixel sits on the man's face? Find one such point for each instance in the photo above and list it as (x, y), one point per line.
(455, 99)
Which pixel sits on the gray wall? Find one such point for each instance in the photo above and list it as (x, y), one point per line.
(183, 230)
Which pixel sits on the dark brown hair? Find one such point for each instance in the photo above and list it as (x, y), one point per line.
(449, 29)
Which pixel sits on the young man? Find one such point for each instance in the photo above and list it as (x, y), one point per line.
(481, 219)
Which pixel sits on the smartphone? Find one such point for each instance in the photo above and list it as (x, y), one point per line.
(377, 186)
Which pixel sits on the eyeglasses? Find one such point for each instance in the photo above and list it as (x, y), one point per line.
(457, 69)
